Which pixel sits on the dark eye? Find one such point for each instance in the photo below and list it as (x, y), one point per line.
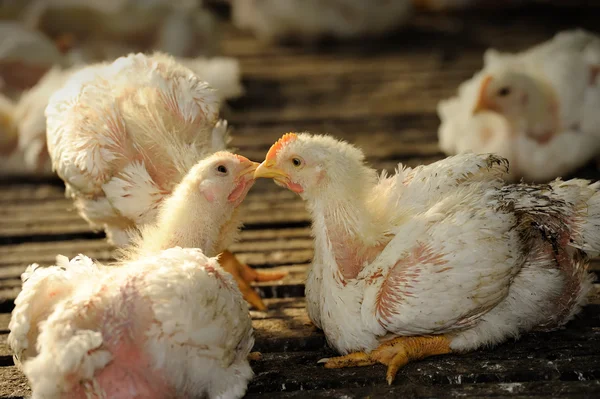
(296, 161)
(504, 91)
(222, 169)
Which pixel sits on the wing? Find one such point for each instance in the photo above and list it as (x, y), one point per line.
(210, 321)
(415, 190)
(443, 270)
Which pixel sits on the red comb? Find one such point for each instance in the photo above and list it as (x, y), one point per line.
(286, 138)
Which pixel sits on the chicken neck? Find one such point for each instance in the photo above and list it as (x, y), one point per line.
(353, 229)
(188, 220)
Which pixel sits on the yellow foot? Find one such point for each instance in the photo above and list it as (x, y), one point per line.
(244, 275)
(254, 356)
(394, 354)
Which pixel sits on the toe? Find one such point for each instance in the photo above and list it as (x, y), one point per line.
(253, 298)
(356, 359)
(269, 276)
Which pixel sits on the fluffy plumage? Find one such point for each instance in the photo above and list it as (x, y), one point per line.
(26, 120)
(165, 321)
(446, 249)
(547, 96)
(309, 20)
(122, 135)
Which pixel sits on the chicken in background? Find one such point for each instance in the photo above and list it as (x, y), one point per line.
(182, 28)
(26, 121)
(443, 5)
(310, 20)
(123, 135)
(25, 56)
(549, 97)
(165, 321)
(437, 259)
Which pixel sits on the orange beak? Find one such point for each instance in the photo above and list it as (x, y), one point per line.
(482, 103)
(250, 169)
(268, 170)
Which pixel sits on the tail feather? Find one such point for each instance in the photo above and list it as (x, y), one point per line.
(43, 288)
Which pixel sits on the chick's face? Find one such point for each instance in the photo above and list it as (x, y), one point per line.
(311, 165)
(291, 165)
(226, 178)
(507, 93)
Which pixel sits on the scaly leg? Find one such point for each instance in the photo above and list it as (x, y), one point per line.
(244, 275)
(394, 354)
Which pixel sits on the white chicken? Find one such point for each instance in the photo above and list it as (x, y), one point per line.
(309, 20)
(181, 28)
(122, 136)
(437, 259)
(25, 56)
(549, 96)
(29, 121)
(166, 321)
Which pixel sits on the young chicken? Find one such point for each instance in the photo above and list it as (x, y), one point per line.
(437, 259)
(122, 135)
(549, 96)
(165, 322)
(309, 20)
(29, 120)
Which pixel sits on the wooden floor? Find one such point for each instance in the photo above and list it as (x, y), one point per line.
(382, 96)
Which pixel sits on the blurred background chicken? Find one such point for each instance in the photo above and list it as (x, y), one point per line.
(26, 120)
(309, 20)
(549, 96)
(165, 321)
(441, 258)
(122, 135)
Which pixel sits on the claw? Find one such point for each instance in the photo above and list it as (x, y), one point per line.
(395, 354)
(244, 275)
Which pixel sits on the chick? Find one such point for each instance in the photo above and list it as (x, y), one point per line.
(548, 94)
(310, 20)
(437, 259)
(122, 135)
(25, 56)
(166, 321)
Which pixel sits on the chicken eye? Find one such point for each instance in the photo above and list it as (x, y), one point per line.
(504, 91)
(297, 162)
(222, 169)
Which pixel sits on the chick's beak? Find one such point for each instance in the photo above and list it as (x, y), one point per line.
(249, 170)
(268, 170)
(482, 104)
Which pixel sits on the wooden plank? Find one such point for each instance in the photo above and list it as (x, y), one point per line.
(13, 384)
(297, 371)
(409, 389)
(291, 349)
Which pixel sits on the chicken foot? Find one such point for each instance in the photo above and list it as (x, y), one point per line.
(244, 275)
(395, 354)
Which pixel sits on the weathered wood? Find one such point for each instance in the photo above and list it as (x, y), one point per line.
(13, 384)
(409, 389)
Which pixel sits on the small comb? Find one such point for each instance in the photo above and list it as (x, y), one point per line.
(286, 138)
